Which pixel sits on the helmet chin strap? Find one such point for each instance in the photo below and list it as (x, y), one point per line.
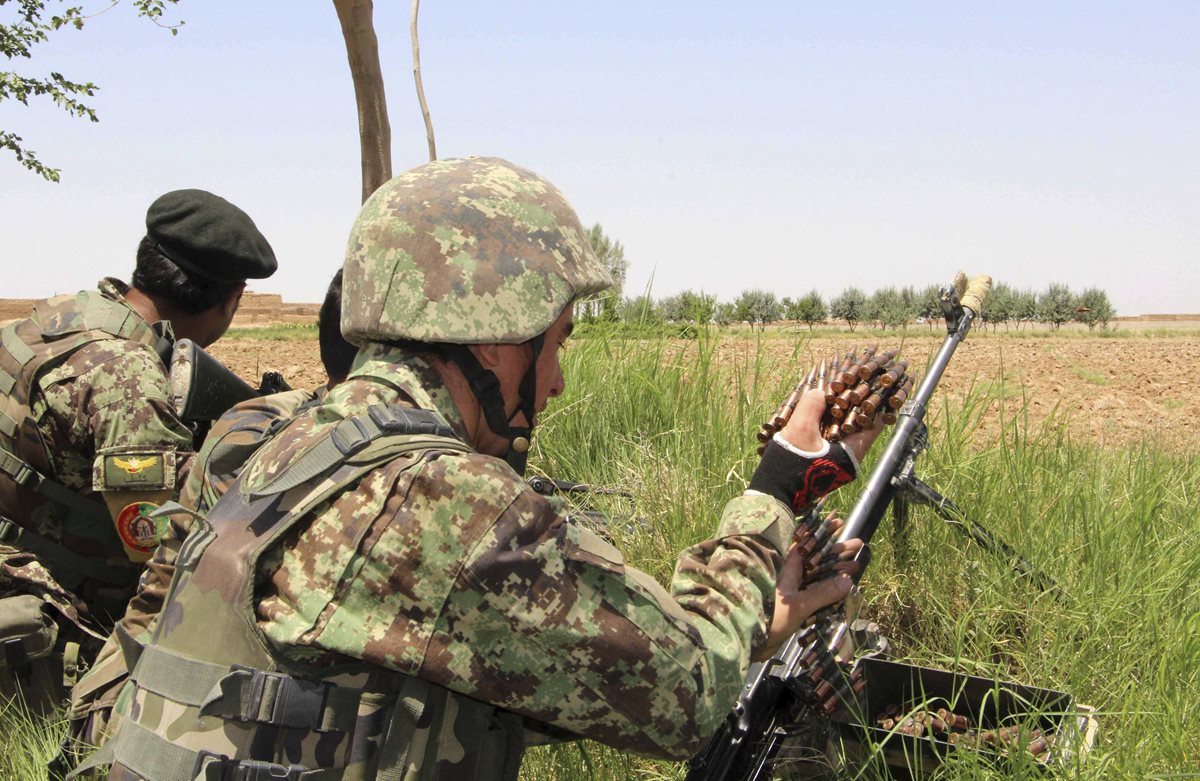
(486, 388)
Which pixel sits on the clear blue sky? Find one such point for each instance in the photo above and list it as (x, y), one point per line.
(782, 145)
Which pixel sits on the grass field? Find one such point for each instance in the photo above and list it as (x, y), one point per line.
(1115, 527)
(673, 424)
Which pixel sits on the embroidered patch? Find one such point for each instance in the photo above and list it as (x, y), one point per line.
(137, 529)
(134, 471)
(133, 465)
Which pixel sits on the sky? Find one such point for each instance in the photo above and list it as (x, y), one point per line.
(788, 146)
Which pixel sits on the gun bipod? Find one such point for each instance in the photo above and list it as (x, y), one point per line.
(911, 488)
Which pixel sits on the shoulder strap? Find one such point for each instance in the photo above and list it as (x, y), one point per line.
(24, 475)
(351, 449)
(347, 440)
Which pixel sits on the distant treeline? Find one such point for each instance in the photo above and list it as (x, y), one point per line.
(888, 307)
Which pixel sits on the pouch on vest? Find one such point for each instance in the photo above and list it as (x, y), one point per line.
(30, 666)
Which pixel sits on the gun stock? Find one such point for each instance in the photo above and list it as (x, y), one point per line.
(202, 388)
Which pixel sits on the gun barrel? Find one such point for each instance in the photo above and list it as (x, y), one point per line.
(859, 522)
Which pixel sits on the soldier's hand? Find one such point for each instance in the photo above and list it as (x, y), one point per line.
(860, 442)
(803, 429)
(795, 604)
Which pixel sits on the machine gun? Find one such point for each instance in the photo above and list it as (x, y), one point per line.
(203, 389)
(805, 682)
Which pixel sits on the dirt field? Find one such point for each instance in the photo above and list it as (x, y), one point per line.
(1114, 390)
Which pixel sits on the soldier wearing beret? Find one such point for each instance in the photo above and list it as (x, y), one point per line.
(89, 443)
(380, 595)
(228, 444)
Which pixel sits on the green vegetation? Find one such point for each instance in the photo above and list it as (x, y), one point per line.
(29, 743)
(1091, 376)
(1002, 389)
(672, 422)
(850, 306)
(34, 22)
(1116, 529)
(283, 332)
(886, 308)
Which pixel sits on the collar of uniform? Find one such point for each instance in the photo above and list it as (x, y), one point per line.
(111, 287)
(412, 375)
(115, 290)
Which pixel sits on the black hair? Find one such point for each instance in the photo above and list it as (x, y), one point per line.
(157, 275)
(336, 353)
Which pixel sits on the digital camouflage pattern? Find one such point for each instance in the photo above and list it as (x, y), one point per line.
(465, 251)
(232, 439)
(81, 380)
(415, 610)
(447, 567)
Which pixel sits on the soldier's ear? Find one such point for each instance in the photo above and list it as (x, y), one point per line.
(230, 306)
(489, 355)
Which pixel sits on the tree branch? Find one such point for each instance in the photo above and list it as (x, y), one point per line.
(416, 47)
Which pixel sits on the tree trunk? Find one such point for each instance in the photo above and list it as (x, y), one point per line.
(374, 132)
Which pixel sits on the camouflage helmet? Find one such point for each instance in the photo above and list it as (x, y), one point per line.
(468, 251)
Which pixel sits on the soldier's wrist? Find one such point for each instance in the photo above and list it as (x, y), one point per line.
(798, 478)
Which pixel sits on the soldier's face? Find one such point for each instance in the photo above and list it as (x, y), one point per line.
(509, 362)
(211, 324)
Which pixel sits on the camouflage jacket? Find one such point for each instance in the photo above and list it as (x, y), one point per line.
(460, 574)
(230, 442)
(98, 396)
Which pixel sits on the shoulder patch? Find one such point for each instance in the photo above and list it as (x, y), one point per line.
(138, 470)
(137, 529)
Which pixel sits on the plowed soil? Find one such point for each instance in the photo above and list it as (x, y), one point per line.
(1111, 390)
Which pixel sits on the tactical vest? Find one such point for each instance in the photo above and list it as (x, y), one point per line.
(30, 496)
(214, 702)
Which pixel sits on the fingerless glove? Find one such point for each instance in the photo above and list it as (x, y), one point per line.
(798, 479)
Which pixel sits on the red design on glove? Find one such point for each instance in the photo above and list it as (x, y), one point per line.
(822, 477)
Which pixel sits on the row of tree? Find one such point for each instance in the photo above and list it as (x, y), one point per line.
(888, 307)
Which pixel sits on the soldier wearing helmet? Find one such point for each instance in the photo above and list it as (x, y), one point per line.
(380, 594)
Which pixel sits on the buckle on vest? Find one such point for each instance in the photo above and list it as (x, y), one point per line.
(211, 766)
(9, 530)
(349, 439)
(391, 419)
(388, 418)
(283, 700)
(28, 477)
(19, 470)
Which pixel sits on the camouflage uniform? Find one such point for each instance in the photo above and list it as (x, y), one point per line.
(374, 599)
(85, 396)
(230, 442)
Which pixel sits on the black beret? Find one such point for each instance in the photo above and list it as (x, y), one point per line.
(209, 237)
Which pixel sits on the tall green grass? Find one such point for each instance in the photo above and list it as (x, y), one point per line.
(673, 423)
(1116, 528)
(30, 742)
